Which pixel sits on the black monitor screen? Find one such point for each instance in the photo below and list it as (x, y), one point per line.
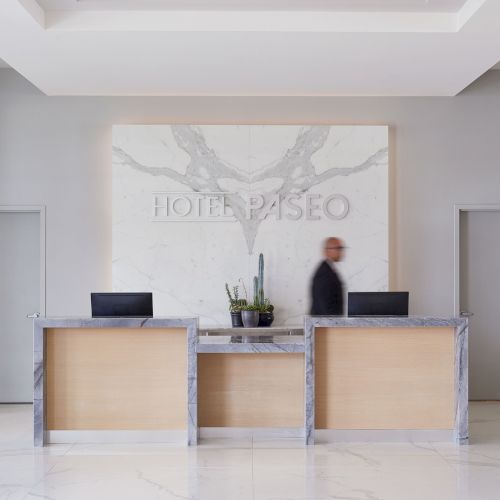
(106, 305)
(377, 304)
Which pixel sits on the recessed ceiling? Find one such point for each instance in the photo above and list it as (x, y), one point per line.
(327, 5)
(80, 51)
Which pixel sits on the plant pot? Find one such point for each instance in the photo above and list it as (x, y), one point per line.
(250, 318)
(266, 319)
(236, 319)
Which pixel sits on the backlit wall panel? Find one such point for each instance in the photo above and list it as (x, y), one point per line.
(193, 206)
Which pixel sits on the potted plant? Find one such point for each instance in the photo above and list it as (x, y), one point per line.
(235, 306)
(250, 315)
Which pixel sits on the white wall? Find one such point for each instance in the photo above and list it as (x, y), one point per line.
(56, 151)
(186, 263)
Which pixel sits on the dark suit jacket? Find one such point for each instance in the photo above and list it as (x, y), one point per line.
(327, 291)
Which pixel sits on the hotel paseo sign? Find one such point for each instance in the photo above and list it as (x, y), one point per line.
(230, 207)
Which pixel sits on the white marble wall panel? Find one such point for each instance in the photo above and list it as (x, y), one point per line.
(186, 264)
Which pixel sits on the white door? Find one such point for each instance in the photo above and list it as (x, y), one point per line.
(19, 296)
(480, 295)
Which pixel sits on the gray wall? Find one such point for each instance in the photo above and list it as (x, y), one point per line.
(56, 151)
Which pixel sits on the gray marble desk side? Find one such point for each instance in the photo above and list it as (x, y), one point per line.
(40, 325)
(460, 325)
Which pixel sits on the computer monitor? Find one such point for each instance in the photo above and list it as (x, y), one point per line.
(377, 304)
(109, 305)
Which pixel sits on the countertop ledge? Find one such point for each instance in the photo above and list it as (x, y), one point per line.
(382, 321)
(156, 322)
(316, 321)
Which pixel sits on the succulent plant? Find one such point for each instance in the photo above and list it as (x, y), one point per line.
(267, 306)
(250, 307)
(235, 303)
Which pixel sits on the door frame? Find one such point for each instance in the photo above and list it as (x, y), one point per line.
(458, 208)
(40, 209)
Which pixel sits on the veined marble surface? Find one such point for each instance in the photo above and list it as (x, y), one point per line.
(89, 322)
(269, 330)
(252, 347)
(383, 321)
(275, 339)
(172, 259)
(250, 468)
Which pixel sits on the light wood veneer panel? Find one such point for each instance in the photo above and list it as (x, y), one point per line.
(385, 378)
(251, 390)
(131, 378)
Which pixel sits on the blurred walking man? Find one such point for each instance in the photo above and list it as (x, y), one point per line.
(327, 288)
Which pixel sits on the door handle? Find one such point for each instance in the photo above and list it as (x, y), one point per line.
(466, 314)
(34, 315)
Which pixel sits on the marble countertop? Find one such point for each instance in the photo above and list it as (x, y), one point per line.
(381, 321)
(250, 340)
(89, 322)
(263, 330)
(212, 331)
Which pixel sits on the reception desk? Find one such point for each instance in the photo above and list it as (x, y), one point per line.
(334, 379)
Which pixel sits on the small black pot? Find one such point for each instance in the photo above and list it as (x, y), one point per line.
(236, 320)
(266, 319)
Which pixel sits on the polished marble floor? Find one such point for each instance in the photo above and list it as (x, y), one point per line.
(244, 469)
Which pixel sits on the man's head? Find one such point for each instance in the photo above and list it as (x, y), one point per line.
(334, 249)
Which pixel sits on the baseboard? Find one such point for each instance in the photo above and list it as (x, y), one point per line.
(383, 435)
(111, 436)
(252, 432)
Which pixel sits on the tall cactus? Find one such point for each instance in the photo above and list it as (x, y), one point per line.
(261, 280)
(258, 284)
(256, 290)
